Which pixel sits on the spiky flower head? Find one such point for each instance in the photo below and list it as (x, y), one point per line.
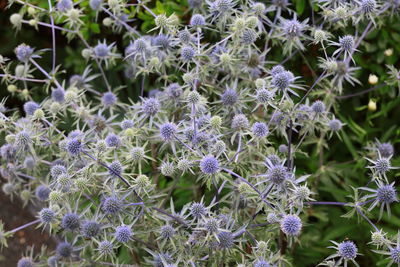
(111, 205)
(168, 131)
(386, 149)
(386, 194)
(229, 97)
(209, 165)
(115, 168)
(109, 99)
(64, 250)
(226, 239)
(197, 20)
(30, 107)
(150, 106)
(240, 122)
(260, 129)
(187, 53)
(23, 52)
(347, 250)
(198, 210)
(335, 125)
(123, 233)
(291, 225)
(90, 229)
(71, 221)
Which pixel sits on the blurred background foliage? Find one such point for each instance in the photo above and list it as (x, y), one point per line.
(336, 165)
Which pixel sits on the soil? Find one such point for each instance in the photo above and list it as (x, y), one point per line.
(13, 215)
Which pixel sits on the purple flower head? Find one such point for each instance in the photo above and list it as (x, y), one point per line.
(108, 99)
(168, 131)
(291, 225)
(123, 233)
(64, 250)
(30, 107)
(260, 129)
(24, 52)
(209, 165)
(347, 250)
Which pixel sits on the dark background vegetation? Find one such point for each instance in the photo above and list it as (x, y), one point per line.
(335, 169)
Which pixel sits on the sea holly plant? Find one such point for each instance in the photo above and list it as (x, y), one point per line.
(202, 169)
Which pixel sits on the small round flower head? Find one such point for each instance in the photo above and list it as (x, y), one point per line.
(386, 149)
(229, 97)
(25, 262)
(30, 107)
(226, 239)
(187, 53)
(126, 124)
(123, 233)
(150, 106)
(64, 5)
(264, 96)
(335, 125)
(282, 80)
(382, 165)
(291, 225)
(64, 250)
(168, 131)
(292, 28)
(70, 221)
(101, 50)
(198, 210)
(113, 140)
(193, 97)
(318, 107)
(74, 146)
(58, 95)
(115, 168)
(302, 192)
(24, 52)
(111, 205)
(46, 215)
(167, 232)
(209, 165)
(240, 122)
(211, 225)
(260, 129)
(52, 261)
(29, 163)
(90, 229)
(185, 36)
(22, 140)
(195, 3)
(347, 250)
(395, 254)
(261, 263)
(167, 168)
(277, 174)
(346, 43)
(95, 4)
(368, 6)
(57, 170)
(283, 149)
(42, 192)
(137, 154)
(276, 70)
(108, 99)
(162, 41)
(386, 194)
(197, 20)
(249, 36)
(7, 152)
(105, 247)
(174, 91)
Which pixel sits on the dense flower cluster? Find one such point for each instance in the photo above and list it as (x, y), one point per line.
(223, 118)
